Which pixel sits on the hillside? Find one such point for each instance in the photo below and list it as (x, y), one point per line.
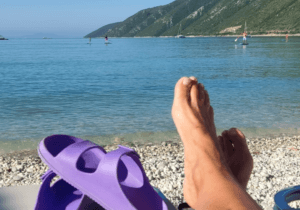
(262, 16)
(210, 17)
(101, 31)
(141, 20)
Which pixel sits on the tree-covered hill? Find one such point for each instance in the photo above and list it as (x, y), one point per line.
(101, 31)
(210, 17)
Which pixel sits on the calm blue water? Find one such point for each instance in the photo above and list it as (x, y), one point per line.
(125, 89)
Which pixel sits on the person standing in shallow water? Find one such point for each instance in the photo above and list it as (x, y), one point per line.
(215, 176)
(286, 37)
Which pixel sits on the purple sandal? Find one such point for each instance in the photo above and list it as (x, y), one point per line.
(115, 180)
(62, 196)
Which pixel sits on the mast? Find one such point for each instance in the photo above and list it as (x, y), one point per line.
(179, 30)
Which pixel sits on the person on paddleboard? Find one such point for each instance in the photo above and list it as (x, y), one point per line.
(106, 39)
(244, 37)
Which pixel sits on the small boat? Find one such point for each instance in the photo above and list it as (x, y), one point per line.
(179, 33)
(2, 38)
(180, 36)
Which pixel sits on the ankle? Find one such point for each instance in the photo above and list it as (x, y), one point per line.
(201, 157)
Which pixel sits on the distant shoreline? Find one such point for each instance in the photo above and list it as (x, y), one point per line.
(196, 36)
(258, 35)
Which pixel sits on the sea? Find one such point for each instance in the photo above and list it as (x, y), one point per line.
(125, 89)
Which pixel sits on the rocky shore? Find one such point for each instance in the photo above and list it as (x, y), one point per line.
(276, 166)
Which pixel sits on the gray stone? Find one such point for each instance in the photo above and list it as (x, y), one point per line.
(17, 178)
(29, 170)
(19, 167)
(161, 165)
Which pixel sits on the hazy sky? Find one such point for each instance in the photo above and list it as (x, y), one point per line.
(65, 18)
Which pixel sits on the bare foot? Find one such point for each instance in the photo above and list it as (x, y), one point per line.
(193, 117)
(237, 156)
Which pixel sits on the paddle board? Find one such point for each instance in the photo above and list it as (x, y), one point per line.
(244, 43)
(107, 43)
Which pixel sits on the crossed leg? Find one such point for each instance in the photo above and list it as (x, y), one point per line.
(209, 180)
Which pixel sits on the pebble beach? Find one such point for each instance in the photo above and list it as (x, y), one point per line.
(276, 167)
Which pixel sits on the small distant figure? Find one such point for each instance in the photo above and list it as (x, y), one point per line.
(244, 37)
(106, 39)
(286, 37)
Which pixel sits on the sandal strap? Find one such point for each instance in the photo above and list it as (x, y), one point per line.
(110, 162)
(47, 174)
(108, 168)
(71, 153)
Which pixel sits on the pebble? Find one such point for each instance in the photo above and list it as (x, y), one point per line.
(276, 167)
(17, 178)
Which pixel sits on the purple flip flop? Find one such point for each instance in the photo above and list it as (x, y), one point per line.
(62, 196)
(115, 180)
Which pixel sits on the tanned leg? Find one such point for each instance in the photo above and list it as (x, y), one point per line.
(208, 183)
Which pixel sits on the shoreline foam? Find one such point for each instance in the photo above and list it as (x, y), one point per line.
(141, 138)
(253, 140)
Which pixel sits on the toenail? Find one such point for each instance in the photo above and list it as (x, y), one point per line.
(193, 78)
(186, 81)
(239, 133)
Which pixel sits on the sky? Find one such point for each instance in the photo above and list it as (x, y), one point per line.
(65, 18)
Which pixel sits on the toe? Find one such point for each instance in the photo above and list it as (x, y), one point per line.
(221, 142)
(240, 133)
(195, 96)
(206, 99)
(226, 146)
(227, 141)
(225, 133)
(211, 113)
(234, 132)
(201, 94)
(183, 88)
(237, 137)
(193, 78)
(211, 119)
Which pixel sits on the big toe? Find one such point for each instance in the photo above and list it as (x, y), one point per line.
(237, 137)
(183, 88)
